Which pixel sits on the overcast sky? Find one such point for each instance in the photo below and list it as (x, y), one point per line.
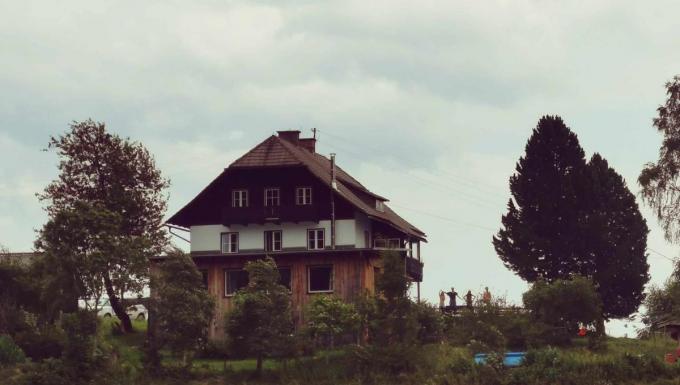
(427, 103)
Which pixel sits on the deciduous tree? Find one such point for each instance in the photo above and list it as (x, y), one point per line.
(659, 181)
(183, 307)
(260, 323)
(118, 177)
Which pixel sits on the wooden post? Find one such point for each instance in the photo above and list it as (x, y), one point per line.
(418, 255)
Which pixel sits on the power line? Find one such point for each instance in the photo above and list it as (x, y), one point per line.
(460, 223)
(662, 255)
(470, 198)
(487, 189)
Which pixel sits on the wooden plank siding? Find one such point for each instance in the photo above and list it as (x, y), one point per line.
(353, 272)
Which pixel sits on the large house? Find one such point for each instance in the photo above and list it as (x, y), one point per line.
(324, 229)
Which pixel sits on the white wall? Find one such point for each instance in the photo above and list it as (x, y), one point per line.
(362, 224)
(207, 237)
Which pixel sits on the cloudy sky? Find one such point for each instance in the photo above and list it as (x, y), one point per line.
(429, 103)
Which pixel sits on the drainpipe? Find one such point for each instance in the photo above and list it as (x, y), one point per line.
(334, 186)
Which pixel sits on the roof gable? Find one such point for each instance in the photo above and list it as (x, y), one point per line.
(277, 152)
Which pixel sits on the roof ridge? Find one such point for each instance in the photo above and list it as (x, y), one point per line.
(252, 150)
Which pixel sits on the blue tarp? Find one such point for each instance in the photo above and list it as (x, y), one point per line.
(511, 358)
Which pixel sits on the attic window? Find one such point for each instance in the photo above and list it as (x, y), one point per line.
(272, 197)
(303, 196)
(239, 198)
(379, 205)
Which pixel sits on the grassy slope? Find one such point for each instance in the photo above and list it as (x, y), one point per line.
(212, 371)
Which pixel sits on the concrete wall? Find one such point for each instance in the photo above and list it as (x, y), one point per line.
(251, 237)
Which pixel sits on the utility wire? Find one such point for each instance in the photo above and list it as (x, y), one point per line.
(662, 255)
(460, 223)
(470, 198)
(478, 185)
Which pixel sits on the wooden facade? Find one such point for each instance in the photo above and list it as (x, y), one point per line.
(353, 273)
(356, 224)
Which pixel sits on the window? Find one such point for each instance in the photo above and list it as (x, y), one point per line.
(379, 205)
(230, 242)
(272, 240)
(285, 276)
(272, 197)
(239, 198)
(320, 279)
(234, 280)
(204, 276)
(315, 239)
(303, 196)
(387, 243)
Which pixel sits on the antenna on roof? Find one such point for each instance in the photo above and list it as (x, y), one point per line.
(314, 131)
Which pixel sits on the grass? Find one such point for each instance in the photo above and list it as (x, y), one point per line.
(331, 368)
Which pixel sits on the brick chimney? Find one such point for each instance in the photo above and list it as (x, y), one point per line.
(308, 144)
(292, 136)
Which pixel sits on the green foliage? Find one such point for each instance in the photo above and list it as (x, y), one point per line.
(41, 343)
(659, 180)
(184, 309)
(616, 239)
(430, 323)
(10, 353)
(260, 323)
(394, 319)
(105, 213)
(328, 315)
(564, 303)
(79, 350)
(492, 326)
(568, 217)
(662, 303)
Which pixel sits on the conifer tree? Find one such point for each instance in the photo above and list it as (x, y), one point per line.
(542, 234)
(617, 241)
(568, 217)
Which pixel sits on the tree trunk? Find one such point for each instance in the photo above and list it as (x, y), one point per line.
(117, 306)
(258, 369)
(599, 327)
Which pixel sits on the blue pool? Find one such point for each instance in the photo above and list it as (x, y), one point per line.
(511, 358)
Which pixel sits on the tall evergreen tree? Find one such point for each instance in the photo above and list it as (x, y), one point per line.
(617, 241)
(568, 217)
(542, 231)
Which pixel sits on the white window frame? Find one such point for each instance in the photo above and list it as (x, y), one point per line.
(232, 239)
(386, 243)
(379, 205)
(274, 241)
(303, 196)
(274, 199)
(309, 279)
(316, 238)
(239, 198)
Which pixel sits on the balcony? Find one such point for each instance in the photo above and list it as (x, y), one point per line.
(247, 215)
(414, 269)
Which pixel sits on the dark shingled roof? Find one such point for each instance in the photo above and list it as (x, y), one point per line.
(275, 152)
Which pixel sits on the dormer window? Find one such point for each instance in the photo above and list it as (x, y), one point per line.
(379, 205)
(303, 196)
(239, 198)
(272, 197)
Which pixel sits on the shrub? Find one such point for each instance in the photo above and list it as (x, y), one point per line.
(10, 353)
(564, 303)
(41, 344)
(430, 322)
(331, 317)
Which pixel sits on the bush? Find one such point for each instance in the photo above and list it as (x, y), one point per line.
(10, 353)
(564, 303)
(330, 317)
(430, 321)
(41, 344)
(214, 350)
